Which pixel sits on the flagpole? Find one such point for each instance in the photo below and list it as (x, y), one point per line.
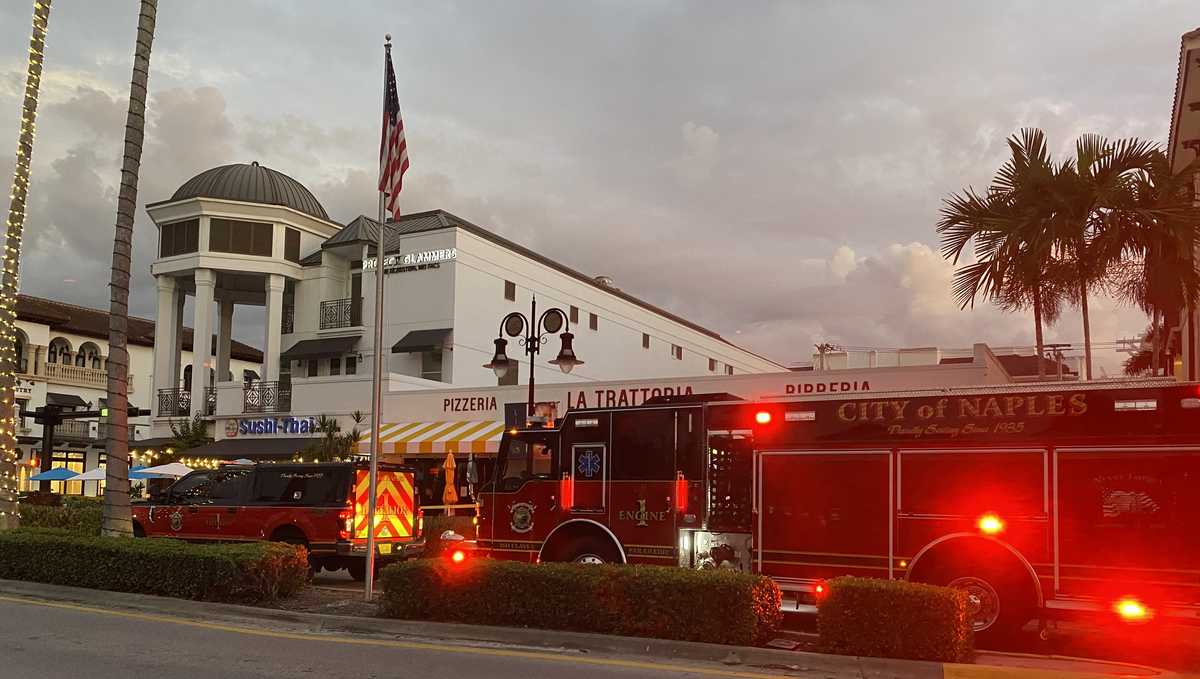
(377, 372)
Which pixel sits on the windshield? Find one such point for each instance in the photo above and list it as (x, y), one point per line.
(526, 458)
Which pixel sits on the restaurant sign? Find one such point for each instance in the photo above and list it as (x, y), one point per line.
(412, 261)
(271, 425)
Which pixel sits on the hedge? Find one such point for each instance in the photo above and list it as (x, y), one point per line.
(248, 572)
(894, 619)
(715, 606)
(83, 518)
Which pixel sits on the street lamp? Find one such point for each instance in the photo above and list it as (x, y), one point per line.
(531, 334)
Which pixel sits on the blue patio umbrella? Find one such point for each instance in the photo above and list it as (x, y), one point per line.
(56, 474)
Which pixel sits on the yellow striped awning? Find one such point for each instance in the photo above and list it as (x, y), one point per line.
(481, 437)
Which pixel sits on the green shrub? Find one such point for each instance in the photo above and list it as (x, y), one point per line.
(715, 606)
(248, 572)
(434, 526)
(894, 619)
(83, 518)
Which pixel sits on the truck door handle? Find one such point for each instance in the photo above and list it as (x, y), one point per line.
(232, 510)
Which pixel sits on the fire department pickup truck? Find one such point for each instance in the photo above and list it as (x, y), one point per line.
(320, 506)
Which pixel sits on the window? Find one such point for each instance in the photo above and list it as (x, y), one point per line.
(593, 321)
(510, 291)
(712, 365)
(179, 238)
(335, 366)
(191, 488)
(527, 459)
(312, 367)
(351, 365)
(245, 238)
(22, 404)
(574, 314)
(88, 356)
(291, 245)
(59, 351)
(728, 370)
(301, 485)
(643, 445)
(226, 486)
(645, 341)
(677, 352)
(431, 365)
(73, 461)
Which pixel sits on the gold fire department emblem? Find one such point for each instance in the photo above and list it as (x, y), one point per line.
(522, 517)
(177, 520)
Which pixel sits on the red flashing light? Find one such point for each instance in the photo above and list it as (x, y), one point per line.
(566, 488)
(1132, 610)
(990, 524)
(458, 556)
(820, 589)
(681, 493)
(763, 417)
(345, 523)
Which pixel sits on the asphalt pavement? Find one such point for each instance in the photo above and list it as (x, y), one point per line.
(46, 640)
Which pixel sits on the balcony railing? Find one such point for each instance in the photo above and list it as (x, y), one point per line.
(78, 430)
(267, 397)
(174, 403)
(210, 400)
(78, 375)
(287, 323)
(341, 313)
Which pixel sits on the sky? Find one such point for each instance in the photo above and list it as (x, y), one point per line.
(772, 171)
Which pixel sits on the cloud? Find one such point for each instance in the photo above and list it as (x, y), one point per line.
(773, 173)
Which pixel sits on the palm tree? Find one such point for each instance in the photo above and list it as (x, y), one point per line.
(1155, 235)
(1092, 198)
(9, 517)
(1014, 259)
(116, 487)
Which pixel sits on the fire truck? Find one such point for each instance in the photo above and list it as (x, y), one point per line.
(1039, 501)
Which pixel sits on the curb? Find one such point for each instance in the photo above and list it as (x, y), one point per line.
(1007, 666)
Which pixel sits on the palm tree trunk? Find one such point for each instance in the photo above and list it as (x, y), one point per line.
(10, 282)
(1037, 332)
(1087, 330)
(1156, 343)
(116, 484)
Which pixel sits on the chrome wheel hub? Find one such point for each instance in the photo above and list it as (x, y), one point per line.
(590, 559)
(983, 603)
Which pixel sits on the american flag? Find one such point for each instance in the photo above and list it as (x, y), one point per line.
(393, 152)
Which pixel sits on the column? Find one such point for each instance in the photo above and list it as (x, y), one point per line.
(164, 335)
(224, 339)
(177, 359)
(206, 283)
(271, 349)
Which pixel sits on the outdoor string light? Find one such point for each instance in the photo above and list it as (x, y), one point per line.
(12, 252)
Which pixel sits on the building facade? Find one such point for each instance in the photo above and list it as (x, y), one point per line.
(62, 360)
(1183, 148)
(245, 236)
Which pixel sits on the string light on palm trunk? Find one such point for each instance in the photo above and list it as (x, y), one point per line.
(9, 454)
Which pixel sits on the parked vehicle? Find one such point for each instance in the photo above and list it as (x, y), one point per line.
(1039, 501)
(321, 506)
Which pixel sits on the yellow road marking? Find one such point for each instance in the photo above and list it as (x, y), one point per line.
(392, 643)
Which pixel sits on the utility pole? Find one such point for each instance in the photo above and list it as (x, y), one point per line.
(1057, 351)
(825, 348)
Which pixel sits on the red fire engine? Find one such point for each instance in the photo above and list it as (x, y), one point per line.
(1040, 501)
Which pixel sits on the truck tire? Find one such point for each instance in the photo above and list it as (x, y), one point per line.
(591, 550)
(999, 600)
(138, 531)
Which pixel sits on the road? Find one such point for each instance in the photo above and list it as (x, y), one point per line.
(48, 640)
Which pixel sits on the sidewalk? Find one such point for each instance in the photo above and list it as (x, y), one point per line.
(748, 660)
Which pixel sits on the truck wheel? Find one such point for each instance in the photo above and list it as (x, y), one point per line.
(293, 538)
(999, 602)
(138, 531)
(591, 551)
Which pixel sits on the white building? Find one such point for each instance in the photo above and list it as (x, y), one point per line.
(1183, 148)
(248, 236)
(1020, 365)
(62, 354)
